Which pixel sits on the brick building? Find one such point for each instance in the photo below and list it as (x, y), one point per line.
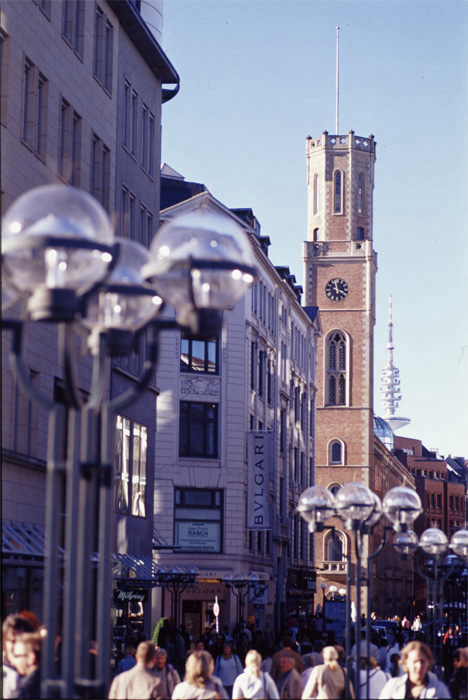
(340, 270)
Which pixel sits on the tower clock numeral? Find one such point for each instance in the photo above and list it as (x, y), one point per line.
(336, 289)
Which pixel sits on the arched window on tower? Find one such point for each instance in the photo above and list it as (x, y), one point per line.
(316, 194)
(334, 546)
(360, 234)
(360, 194)
(338, 192)
(336, 369)
(336, 452)
(316, 234)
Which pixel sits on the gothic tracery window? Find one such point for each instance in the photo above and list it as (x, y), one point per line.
(337, 369)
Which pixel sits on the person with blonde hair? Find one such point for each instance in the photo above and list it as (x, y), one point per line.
(327, 681)
(253, 682)
(417, 681)
(199, 682)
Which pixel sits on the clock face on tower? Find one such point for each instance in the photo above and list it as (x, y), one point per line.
(336, 289)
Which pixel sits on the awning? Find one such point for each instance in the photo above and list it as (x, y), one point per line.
(23, 542)
(134, 572)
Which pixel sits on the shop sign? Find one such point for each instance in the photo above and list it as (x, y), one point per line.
(258, 477)
(122, 596)
(202, 536)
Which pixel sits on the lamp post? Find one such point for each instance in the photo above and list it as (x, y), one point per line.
(323, 586)
(61, 260)
(240, 585)
(360, 509)
(176, 581)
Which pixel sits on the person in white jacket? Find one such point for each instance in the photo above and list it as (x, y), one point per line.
(417, 681)
(253, 682)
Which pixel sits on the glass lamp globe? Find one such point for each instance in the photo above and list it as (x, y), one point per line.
(316, 505)
(406, 543)
(376, 514)
(402, 506)
(253, 580)
(433, 541)
(459, 543)
(55, 236)
(239, 580)
(354, 504)
(201, 260)
(227, 580)
(124, 302)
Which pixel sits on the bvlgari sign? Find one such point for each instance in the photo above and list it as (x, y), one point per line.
(258, 478)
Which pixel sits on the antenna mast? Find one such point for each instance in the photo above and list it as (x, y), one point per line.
(337, 80)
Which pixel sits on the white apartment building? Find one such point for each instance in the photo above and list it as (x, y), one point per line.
(235, 443)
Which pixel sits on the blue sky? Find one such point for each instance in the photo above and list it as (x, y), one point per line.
(258, 76)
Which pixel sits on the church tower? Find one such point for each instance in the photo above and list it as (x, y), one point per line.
(340, 269)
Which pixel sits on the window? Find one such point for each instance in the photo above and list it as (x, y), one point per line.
(269, 381)
(334, 546)
(44, 6)
(4, 61)
(73, 24)
(360, 193)
(283, 431)
(103, 50)
(198, 519)
(338, 192)
(100, 172)
(253, 363)
(316, 194)
(336, 452)
(432, 501)
(70, 145)
(261, 372)
(360, 234)
(316, 234)
(34, 126)
(130, 467)
(198, 430)
(439, 501)
(336, 369)
(199, 355)
(450, 502)
(130, 116)
(146, 226)
(147, 140)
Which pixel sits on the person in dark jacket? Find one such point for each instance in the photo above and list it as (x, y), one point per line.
(458, 683)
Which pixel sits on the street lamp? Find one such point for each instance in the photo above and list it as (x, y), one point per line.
(61, 260)
(176, 580)
(360, 510)
(237, 584)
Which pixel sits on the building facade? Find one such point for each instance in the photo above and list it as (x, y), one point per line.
(228, 406)
(82, 90)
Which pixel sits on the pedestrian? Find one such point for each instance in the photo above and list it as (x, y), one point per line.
(329, 679)
(289, 681)
(376, 680)
(373, 649)
(227, 667)
(199, 682)
(417, 681)
(417, 624)
(286, 649)
(27, 656)
(13, 626)
(458, 683)
(167, 674)
(139, 683)
(128, 660)
(253, 682)
(309, 662)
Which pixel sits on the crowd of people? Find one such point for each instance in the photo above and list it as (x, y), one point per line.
(303, 662)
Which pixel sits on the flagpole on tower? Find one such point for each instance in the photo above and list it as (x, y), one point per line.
(337, 80)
